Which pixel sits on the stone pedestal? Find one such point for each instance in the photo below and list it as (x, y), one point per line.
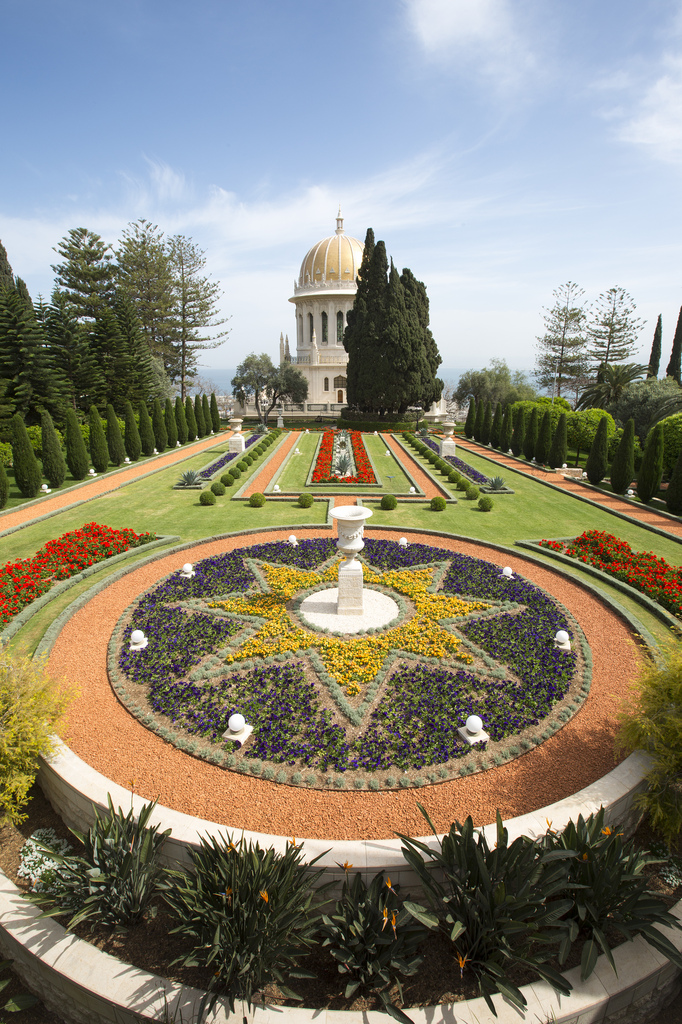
(350, 588)
(280, 419)
(447, 444)
(351, 524)
(237, 443)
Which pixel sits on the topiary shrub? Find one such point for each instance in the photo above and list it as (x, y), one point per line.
(215, 414)
(202, 429)
(438, 504)
(462, 484)
(54, 466)
(4, 486)
(181, 421)
(243, 465)
(227, 479)
(651, 470)
(131, 435)
(248, 459)
(597, 460)
(76, 455)
(257, 500)
(207, 498)
(454, 477)
(190, 420)
(146, 430)
(159, 427)
(388, 502)
(117, 452)
(305, 500)
(472, 493)
(235, 472)
(171, 424)
(485, 503)
(27, 471)
(206, 412)
(218, 488)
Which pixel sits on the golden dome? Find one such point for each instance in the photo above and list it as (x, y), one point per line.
(332, 262)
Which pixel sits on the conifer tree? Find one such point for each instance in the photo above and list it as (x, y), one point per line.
(146, 430)
(651, 469)
(159, 427)
(470, 420)
(356, 321)
(6, 272)
(655, 356)
(76, 454)
(519, 432)
(25, 360)
(597, 460)
(171, 425)
(99, 450)
(623, 465)
(507, 430)
(131, 437)
(191, 420)
(215, 414)
(26, 467)
(73, 358)
(560, 359)
(479, 421)
(673, 496)
(675, 365)
(109, 345)
(87, 274)
(199, 417)
(544, 442)
(54, 466)
(140, 384)
(181, 421)
(613, 328)
(4, 485)
(117, 451)
(530, 440)
(487, 423)
(206, 412)
(496, 429)
(559, 450)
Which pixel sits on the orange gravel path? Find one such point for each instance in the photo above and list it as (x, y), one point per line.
(107, 482)
(422, 479)
(262, 479)
(611, 502)
(107, 737)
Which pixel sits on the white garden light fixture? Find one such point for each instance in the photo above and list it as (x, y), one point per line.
(138, 640)
(237, 729)
(276, 489)
(562, 641)
(187, 571)
(507, 573)
(473, 731)
(403, 542)
(293, 541)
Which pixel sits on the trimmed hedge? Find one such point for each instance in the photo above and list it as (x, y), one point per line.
(388, 502)
(207, 498)
(257, 500)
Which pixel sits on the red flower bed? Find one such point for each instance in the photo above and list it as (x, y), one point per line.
(322, 473)
(23, 581)
(640, 569)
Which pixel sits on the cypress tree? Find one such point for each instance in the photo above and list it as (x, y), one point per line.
(496, 429)
(519, 432)
(623, 465)
(6, 272)
(4, 485)
(191, 420)
(99, 450)
(470, 420)
(26, 467)
(76, 454)
(181, 421)
(530, 441)
(206, 411)
(651, 470)
(673, 496)
(559, 450)
(544, 442)
(487, 423)
(199, 417)
(215, 414)
(117, 452)
(655, 356)
(675, 365)
(171, 425)
(507, 430)
(598, 459)
(54, 466)
(131, 438)
(146, 431)
(159, 427)
(479, 421)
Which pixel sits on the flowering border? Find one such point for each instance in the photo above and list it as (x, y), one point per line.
(321, 471)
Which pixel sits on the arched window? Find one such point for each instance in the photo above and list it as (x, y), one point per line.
(325, 329)
(339, 382)
(326, 383)
(339, 328)
(300, 329)
(310, 327)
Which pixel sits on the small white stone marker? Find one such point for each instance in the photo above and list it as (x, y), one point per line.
(92, 472)
(376, 433)
(584, 476)
(413, 490)
(562, 641)
(297, 451)
(126, 459)
(237, 730)
(630, 492)
(473, 732)
(510, 452)
(187, 571)
(138, 640)
(178, 445)
(507, 573)
(155, 452)
(387, 454)
(293, 541)
(307, 431)
(276, 489)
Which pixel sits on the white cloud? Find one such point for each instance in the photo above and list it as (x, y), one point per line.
(480, 36)
(656, 123)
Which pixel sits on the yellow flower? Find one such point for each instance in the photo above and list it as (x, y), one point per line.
(264, 895)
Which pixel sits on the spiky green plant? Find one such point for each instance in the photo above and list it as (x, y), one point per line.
(189, 478)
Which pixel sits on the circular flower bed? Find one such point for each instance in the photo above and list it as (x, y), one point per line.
(370, 709)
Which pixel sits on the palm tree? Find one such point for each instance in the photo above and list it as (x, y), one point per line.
(611, 382)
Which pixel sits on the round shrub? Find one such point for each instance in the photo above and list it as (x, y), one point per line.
(432, 457)
(248, 459)
(485, 503)
(462, 484)
(218, 487)
(454, 477)
(257, 500)
(472, 493)
(305, 500)
(227, 479)
(207, 498)
(243, 465)
(388, 502)
(235, 472)
(438, 504)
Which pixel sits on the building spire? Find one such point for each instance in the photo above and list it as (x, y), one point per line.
(339, 222)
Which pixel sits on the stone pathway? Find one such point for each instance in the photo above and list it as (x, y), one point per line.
(267, 473)
(413, 469)
(611, 502)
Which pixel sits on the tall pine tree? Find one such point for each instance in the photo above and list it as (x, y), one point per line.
(651, 469)
(674, 366)
(597, 460)
(623, 465)
(655, 356)
(87, 274)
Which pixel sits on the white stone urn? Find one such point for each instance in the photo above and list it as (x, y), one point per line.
(448, 429)
(350, 520)
(236, 424)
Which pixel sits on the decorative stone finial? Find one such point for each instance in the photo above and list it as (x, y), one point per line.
(339, 222)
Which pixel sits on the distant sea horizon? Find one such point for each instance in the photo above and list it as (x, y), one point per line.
(222, 376)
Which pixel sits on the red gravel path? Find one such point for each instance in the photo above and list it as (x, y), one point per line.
(105, 735)
(262, 479)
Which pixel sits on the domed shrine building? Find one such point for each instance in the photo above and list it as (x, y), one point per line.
(323, 294)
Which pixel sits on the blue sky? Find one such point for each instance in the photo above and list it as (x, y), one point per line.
(499, 147)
